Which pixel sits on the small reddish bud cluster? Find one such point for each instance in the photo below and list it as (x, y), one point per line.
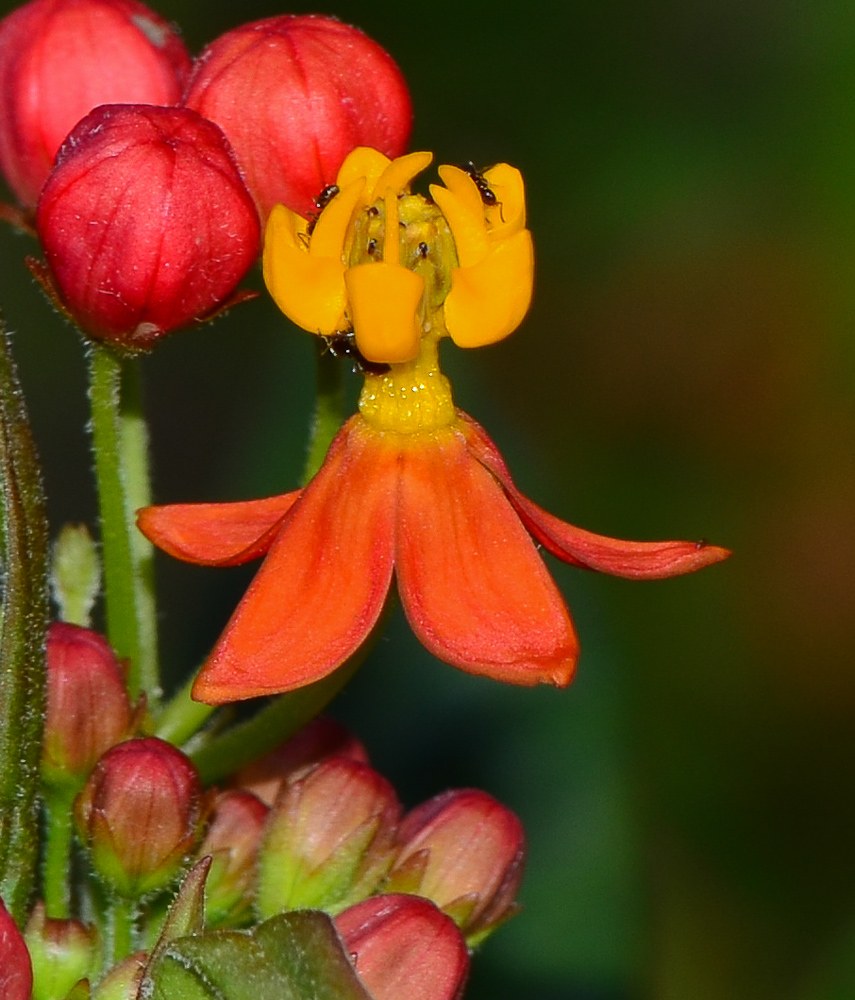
(310, 826)
(140, 805)
(410, 894)
(150, 215)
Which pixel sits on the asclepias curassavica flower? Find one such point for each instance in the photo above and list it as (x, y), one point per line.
(411, 486)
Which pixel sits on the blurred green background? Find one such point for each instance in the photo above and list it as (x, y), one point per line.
(688, 370)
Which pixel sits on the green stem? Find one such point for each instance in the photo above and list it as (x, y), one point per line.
(23, 620)
(329, 406)
(57, 804)
(120, 446)
(120, 920)
(181, 717)
(273, 725)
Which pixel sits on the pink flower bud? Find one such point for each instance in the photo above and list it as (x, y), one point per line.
(295, 94)
(232, 840)
(329, 838)
(321, 738)
(139, 814)
(465, 851)
(16, 974)
(62, 953)
(61, 58)
(88, 710)
(403, 946)
(146, 223)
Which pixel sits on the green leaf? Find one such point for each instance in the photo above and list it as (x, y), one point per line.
(293, 956)
(23, 561)
(187, 913)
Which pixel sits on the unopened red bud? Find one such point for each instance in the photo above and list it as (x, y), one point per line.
(16, 973)
(139, 814)
(403, 946)
(321, 738)
(62, 952)
(146, 223)
(232, 840)
(329, 838)
(295, 94)
(61, 58)
(465, 851)
(88, 709)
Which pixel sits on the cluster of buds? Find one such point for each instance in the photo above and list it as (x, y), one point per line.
(148, 175)
(311, 826)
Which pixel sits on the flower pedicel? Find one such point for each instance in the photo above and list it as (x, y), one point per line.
(410, 485)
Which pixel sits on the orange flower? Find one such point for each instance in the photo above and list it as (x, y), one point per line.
(411, 486)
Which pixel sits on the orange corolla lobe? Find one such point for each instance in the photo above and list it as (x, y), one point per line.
(440, 511)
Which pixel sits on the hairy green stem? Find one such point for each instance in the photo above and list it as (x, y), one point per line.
(181, 717)
(57, 852)
(273, 725)
(120, 447)
(119, 928)
(23, 622)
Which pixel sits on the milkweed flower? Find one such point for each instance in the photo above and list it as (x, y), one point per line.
(411, 486)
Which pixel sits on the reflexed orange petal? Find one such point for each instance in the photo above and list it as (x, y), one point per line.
(322, 586)
(634, 560)
(215, 534)
(474, 589)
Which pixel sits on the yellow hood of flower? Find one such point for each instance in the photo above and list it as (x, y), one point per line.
(460, 266)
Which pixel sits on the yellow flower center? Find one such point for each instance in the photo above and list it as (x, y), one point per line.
(396, 272)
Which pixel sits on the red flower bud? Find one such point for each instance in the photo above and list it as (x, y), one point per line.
(295, 94)
(139, 814)
(329, 838)
(321, 738)
(465, 851)
(232, 840)
(88, 710)
(403, 946)
(16, 974)
(61, 58)
(146, 223)
(62, 952)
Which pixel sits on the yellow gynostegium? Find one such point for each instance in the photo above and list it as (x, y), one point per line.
(458, 266)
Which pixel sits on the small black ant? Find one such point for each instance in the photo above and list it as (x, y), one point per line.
(321, 201)
(488, 196)
(342, 344)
